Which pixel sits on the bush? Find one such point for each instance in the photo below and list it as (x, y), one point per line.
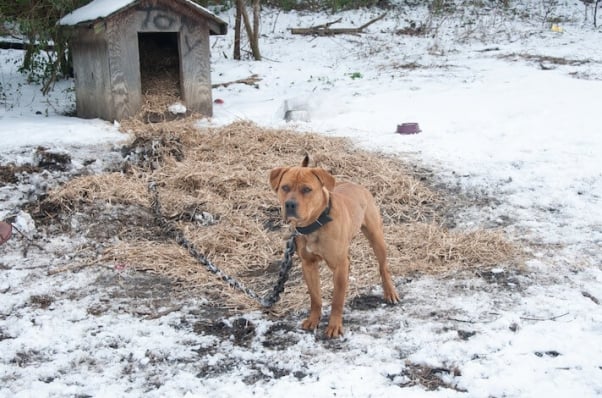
(46, 56)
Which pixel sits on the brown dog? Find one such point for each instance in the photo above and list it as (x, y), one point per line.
(327, 215)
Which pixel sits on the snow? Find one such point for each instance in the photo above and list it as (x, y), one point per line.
(177, 108)
(98, 9)
(492, 122)
(94, 10)
(52, 130)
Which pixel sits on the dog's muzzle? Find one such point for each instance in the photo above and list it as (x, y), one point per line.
(290, 209)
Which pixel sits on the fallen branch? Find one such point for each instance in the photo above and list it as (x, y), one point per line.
(327, 24)
(553, 318)
(326, 30)
(251, 81)
(488, 49)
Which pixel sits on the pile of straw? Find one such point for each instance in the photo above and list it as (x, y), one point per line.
(221, 175)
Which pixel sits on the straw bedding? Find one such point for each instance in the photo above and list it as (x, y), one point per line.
(214, 183)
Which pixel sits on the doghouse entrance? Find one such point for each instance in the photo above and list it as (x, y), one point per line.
(159, 63)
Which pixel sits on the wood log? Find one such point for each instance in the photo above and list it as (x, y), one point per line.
(251, 81)
(20, 45)
(326, 30)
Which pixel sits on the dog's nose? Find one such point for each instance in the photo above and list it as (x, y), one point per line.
(290, 208)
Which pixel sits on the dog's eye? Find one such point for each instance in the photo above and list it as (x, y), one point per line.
(305, 190)
(285, 188)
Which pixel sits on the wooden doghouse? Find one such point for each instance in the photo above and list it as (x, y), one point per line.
(120, 46)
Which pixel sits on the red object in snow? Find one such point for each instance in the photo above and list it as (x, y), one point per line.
(218, 101)
(408, 128)
(6, 230)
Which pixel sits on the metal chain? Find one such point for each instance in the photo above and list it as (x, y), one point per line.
(170, 229)
(285, 267)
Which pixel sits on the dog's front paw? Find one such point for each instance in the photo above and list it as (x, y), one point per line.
(310, 323)
(334, 330)
(390, 293)
(391, 297)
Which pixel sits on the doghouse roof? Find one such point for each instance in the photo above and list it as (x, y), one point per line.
(101, 9)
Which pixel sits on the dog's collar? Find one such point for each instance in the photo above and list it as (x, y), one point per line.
(316, 225)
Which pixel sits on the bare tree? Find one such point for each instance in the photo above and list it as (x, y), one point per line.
(237, 23)
(252, 30)
(595, 4)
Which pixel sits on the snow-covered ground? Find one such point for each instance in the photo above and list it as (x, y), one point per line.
(508, 108)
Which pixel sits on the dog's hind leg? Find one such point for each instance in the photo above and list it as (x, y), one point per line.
(373, 231)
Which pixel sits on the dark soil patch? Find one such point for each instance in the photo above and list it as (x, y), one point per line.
(546, 59)
(466, 334)
(265, 372)
(25, 358)
(224, 366)
(507, 279)
(366, 302)
(122, 221)
(280, 336)
(124, 290)
(149, 152)
(426, 376)
(413, 30)
(100, 222)
(45, 212)
(42, 301)
(52, 161)
(241, 330)
(9, 174)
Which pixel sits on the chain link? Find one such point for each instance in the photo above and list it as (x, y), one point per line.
(285, 267)
(170, 229)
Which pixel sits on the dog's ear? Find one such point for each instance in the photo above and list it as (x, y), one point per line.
(305, 161)
(325, 178)
(276, 176)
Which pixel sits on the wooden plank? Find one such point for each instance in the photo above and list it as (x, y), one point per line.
(91, 70)
(124, 65)
(196, 69)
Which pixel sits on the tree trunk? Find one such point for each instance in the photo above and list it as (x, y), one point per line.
(256, 23)
(251, 30)
(237, 21)
(254, 41)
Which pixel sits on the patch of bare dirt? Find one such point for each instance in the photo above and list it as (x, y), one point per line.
(429, 377)
(10, 173)
(541, 59)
